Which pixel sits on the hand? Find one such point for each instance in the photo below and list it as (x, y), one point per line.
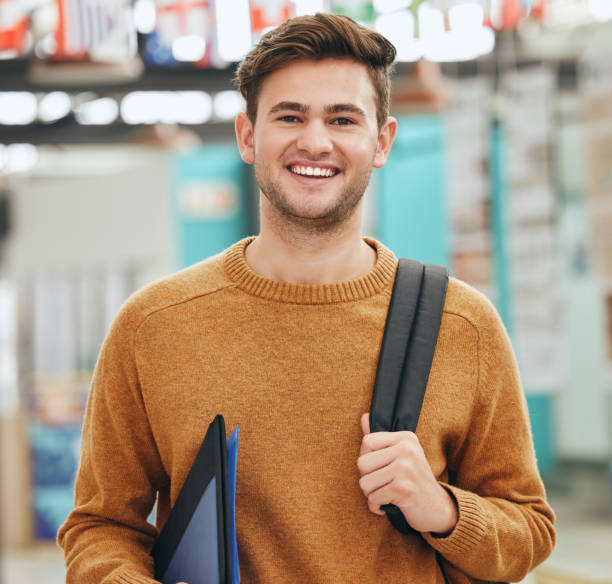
(394, 469)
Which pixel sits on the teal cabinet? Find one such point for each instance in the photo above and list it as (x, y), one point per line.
(412, 218)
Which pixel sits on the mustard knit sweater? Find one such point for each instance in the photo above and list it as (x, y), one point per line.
(294, 366)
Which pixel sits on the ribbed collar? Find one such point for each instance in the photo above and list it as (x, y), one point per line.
(357, 289)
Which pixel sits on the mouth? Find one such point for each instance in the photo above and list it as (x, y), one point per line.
(313, 171)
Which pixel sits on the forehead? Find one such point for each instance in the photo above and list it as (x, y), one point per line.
(319, 83)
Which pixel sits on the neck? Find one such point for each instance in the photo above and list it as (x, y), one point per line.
(311, 257)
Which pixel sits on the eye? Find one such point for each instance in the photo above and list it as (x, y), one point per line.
(343, 122)
(289, 118)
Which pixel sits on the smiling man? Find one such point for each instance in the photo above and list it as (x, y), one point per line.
(281, 333)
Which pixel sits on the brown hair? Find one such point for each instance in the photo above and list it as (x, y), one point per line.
(318, 37)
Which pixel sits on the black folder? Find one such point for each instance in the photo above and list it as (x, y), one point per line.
(197, 544)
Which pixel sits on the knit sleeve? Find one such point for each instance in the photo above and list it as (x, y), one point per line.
(107, 538)
(505, 527)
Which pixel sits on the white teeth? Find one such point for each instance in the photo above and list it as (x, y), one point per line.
(312, 171)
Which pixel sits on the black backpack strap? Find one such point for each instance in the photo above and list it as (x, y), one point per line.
(408, 346)
(394, 347)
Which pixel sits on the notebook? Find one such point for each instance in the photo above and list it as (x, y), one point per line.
(197, 544)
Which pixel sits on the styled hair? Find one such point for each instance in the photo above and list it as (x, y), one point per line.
(318, 37)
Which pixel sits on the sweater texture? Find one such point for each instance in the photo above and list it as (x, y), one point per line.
(294, 365)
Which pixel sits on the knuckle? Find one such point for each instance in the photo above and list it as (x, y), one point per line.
(405, 448)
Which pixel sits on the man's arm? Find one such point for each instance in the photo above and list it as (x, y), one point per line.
(504, 526)
(107, 538)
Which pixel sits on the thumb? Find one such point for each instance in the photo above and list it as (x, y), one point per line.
(365, 423)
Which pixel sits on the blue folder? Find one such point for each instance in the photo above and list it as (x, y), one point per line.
(197, 544)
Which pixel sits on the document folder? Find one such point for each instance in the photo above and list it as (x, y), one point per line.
(197, 544)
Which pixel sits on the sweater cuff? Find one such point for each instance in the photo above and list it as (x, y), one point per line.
(131, 578)
(470, 528)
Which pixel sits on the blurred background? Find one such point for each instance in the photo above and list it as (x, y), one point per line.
(118, 166)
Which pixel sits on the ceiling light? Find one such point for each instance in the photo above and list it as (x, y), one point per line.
(18, 108)
(382, 6)
(601, 10)
(189, 48)
(227, 104)
(144, 16)
(98, 112)
(140, 107)
(192, 107)
(468, 16)
(398, 27)
(306, 7)
(20, 158)
(233, 29)
(54, 106)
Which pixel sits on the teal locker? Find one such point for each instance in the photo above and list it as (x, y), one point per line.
(411, 202)
(209, 193)
(540, 403)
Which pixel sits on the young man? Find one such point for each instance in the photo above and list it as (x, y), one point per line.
(281, 333)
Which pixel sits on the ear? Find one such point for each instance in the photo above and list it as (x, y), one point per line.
(244, 137)
(385, 140)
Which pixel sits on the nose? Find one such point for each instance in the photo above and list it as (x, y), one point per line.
(314, 138)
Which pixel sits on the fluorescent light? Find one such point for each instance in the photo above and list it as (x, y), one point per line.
(431, 29)
(192, 107)
(189, 48)
(20, 158)
(468, 16)
(233, 29)
(382, 6)
(306, 7)
(18, 108)
(461, 46)
(601, 10)
(169, 107)
(144, 16)
(54, 106)
(98, 112)
(227, 104)
(398, 27)
(3, 155)
(139, 107)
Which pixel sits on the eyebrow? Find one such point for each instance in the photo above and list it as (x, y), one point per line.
(292, 106)
(301, 108)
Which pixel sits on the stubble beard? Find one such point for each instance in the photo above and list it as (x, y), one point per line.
(289, 218)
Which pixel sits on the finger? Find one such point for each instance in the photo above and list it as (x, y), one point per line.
(365, 423)
(376, 480)
(371, 461)
(379, 440)
(383, 496)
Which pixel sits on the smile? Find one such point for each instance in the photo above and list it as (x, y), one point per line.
(314, 171)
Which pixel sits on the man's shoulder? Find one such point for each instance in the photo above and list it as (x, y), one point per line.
(200, 279)
(471, 305)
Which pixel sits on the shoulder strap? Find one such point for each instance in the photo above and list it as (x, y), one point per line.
(408, 346)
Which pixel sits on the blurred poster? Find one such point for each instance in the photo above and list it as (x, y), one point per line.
(468, 185)
(595, 82)
(100, 30)
(184, 32)
(609, 327)
(266, 14)
(9, 396)
(532, 214)
(14, 24)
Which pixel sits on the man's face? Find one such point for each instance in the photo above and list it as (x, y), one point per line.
(315, 140)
